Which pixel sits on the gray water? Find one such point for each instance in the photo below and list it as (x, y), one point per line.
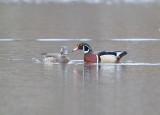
(30, 87)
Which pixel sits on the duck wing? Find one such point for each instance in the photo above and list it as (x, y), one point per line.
(115, 53)
(50, 54)
(107, 53)
(111, 56)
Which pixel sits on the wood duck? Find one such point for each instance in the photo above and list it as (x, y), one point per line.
(100, 57)
(61, 57)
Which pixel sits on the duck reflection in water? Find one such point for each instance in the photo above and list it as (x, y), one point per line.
(99, 70)
(56, 69)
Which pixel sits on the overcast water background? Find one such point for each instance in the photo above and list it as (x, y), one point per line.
(30, 87)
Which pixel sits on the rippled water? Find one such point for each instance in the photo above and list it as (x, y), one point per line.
(30, 87)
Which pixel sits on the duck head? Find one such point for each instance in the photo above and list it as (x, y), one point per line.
(63, 50)
(83, 46)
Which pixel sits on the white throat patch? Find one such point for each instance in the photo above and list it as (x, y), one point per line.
(84, 49)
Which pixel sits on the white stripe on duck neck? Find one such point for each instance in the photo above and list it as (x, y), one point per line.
(85, 49)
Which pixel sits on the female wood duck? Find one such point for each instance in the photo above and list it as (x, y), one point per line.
(100, 57)
(61, 57)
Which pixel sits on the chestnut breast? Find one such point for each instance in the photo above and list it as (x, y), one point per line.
(90, 58)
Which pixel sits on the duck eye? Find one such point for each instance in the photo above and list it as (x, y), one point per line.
(80, 44)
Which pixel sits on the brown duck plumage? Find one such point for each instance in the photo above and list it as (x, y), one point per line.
(61, 57)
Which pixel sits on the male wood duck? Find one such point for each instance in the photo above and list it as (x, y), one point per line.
(100, 57)
(61, 57)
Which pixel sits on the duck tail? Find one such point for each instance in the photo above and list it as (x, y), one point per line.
(122, 54)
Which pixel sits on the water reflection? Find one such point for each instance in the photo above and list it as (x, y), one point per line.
(58, 68)
(99, 71)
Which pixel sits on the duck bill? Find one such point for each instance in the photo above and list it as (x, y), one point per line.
(75, 49)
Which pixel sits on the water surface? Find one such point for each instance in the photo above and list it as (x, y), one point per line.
(30, 87)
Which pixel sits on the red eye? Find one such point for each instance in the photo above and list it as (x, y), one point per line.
(80, 44)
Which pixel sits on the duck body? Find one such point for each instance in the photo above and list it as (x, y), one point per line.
(61, 57)
(49, 58)
(90, 58)
(56, 58)
(100, 57)
(64, 59)
(111, 56)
